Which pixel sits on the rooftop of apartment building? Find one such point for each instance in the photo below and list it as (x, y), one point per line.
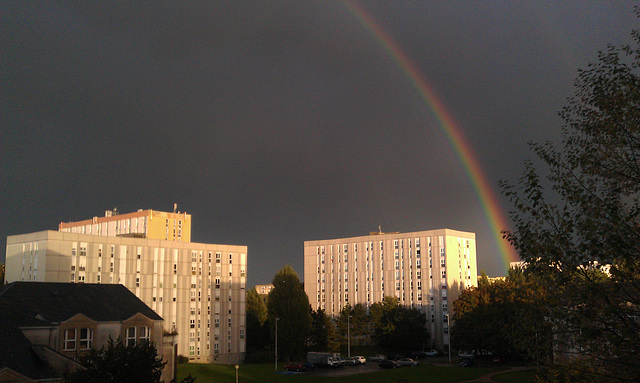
(115, 215)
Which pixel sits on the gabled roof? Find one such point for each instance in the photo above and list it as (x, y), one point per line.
(57, 302)
(16, 352)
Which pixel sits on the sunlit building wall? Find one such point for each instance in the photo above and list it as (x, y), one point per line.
(143, 223)
(426, 270)
(198, 289)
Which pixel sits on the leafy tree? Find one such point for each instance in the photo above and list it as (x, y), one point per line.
(358, 322)
(483, 280)
(398, 327)
(288, 302)
(323, 335)
(582, 217)
(504, 317)
(117, 363)
(257, 334)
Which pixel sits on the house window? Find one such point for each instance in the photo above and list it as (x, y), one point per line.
(70, 339)
(143, 333)
(130, 337)
(86, 338)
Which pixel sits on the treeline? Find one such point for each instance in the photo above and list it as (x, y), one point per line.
(300, 329)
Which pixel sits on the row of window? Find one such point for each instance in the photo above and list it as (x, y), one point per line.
(78, 339)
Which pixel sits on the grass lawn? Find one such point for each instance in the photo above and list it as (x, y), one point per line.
(523, 376)
(208, 373)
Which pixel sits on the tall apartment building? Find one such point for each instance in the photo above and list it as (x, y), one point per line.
(426, 270)
(198, 289)
(143, 223)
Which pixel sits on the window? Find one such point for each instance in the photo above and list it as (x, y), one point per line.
(143, 333)
(86, 338)
(69, 339)
(130, 337)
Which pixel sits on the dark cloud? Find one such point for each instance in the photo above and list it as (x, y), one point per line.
(277, 122)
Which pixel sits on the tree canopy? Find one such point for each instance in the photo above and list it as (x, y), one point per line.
(117, 363)
(505, 318)
(257, 333)
(323, 336)
(578, 222)
(289, 303)
(398, 327)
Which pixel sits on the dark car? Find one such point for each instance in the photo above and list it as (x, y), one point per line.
(467, 362)
(417, 355)
(407, 362)
(388, 364)
(296, 366)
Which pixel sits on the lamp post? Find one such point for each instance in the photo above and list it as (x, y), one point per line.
(237, 373)
(449, 336)
(277, 319)
(348, 336)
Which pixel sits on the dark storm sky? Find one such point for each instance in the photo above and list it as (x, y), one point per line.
(276, 122)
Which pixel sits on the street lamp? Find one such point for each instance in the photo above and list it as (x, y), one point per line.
(348, 337)
(449, 336)
(277, 319)
(237, 373)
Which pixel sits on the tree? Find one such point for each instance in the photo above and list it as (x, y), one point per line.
(289, 303)
(323, 335)
(357, 321)
(257, 334)
(483, 280)
(398, 327)
(578, 224)
(117, 363)
(504, 317)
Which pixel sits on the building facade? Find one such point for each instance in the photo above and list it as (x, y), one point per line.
(149, 223)
(264, 289)
(425, 270)
(198, 289)
(46, 327)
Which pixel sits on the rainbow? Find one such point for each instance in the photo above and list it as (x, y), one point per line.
(495, 217)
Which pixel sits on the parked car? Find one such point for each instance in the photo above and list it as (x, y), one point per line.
(296, 366)
(377, 358)
(335, 361)
(416, 355)
(352, 361)
(388, 364)
(467, 362)
(432, 353)
(407, 362)
(359, 359)
(466, 354)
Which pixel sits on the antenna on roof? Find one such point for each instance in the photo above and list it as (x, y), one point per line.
(379, 228)
(175, 207)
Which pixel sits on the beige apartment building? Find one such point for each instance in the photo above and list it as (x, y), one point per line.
(142, 223)
(198, 289)
(426, 270)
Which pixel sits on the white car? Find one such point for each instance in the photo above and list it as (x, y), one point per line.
(335, 361)
(432, 353)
